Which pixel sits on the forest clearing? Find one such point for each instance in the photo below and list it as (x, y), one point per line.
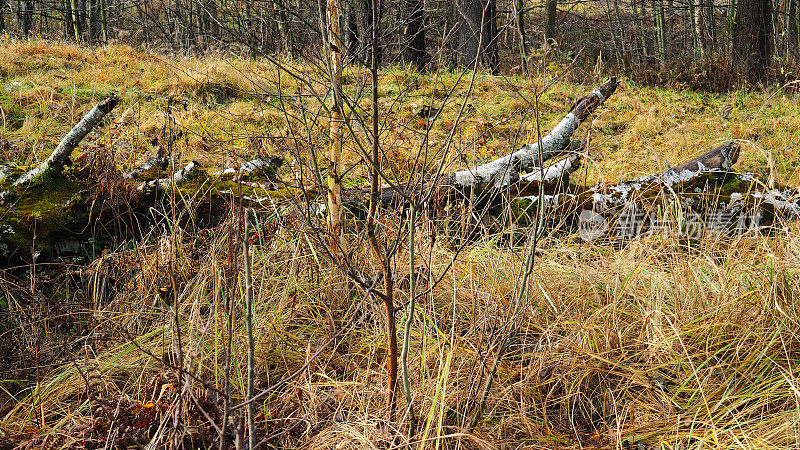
(131, 310)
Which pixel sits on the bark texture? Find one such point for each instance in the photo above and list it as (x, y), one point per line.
(502, 172)
(476, 22)
(60, 156)
(752, 46)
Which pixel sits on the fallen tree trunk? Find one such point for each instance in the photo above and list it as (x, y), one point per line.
(44, 216)
(60, 156)
(606, 196)
(488, 180)
(445, 190)
(702, 194)
(503, 172)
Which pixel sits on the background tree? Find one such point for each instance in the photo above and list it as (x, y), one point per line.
(550, 20)
(752, 39)
(475, 22)
(794, 26)
(414, 34)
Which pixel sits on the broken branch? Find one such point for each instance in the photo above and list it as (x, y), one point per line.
(58, 159)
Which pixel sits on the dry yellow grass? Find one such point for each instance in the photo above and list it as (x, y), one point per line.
(659, 342)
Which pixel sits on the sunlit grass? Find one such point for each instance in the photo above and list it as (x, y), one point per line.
(662, 341)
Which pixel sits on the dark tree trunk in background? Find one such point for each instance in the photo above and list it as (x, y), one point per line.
(2, 17)
(94, 20)
(67, 16)
(661, 29)
(794, 26)
(490, 37)
(467, 18)
(519, 17)
(82, 16)
(477, 33)
(27, 18)
(752, 47)
(352, 34)
(414, 33)
(550, 21)
(103, 20)
(285, 28)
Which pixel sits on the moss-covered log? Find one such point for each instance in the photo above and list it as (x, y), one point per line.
(89, 205)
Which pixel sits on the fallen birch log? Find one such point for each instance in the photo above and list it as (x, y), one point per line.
(703, 192)
(60, 157)
(503, 172)
(720, 160)
(556, 176)
(53, 213)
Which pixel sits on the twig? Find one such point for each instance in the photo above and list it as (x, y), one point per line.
(248, 290)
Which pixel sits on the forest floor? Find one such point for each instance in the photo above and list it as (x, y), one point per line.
(660, 341)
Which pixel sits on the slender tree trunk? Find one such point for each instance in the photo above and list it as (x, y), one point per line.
(794, 27)
(352, 34)
(519, 17)
(414, 34)
(2, 16)
(366, 37)
(731, 21)
(489, 27)
(752, 39)
(381, 253)
(693, 19)
(76, 27)
(282, 21)
(103, 20)
(27, 18)
(82, 14)
(94, 20)
(661, 29)
(701, 24)
(618, 17)
(550, 21)
(334, 172)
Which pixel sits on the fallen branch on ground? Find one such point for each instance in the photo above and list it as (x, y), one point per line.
(49, 217)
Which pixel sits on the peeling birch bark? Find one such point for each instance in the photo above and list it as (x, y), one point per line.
(177, 178)
(153, 162)
(335, 212)
(554, 176)
(690, 174)
(356, 198)
(502, 172)
(264, 166)
(58, 159)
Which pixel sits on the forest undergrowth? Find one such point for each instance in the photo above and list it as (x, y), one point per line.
(657, 342)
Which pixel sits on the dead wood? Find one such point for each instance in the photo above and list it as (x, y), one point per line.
(503, 172)
(60, 156)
